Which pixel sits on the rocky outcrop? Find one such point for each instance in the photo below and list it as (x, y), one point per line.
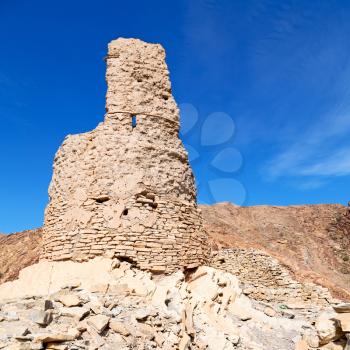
(17, 251)
(339, 231)
(126, 188)
(311, 241)
(125, 308)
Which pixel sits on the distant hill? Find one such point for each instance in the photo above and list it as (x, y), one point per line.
(17, 251)
(313, 241)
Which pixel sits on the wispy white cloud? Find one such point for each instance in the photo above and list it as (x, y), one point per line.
(309, 184)
(322, 151)
(337, 164)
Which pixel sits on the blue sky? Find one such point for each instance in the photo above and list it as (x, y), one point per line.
(263, 87)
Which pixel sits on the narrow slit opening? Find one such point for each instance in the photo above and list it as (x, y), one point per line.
(133, 121)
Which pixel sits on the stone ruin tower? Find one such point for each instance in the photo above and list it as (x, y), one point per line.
(126, 188)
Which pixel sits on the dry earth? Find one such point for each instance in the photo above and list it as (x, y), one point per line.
(313, 241)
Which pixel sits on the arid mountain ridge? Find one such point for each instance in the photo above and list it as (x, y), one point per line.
(18, 251)
(312, 241)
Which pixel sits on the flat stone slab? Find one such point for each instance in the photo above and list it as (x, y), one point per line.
(342, 308)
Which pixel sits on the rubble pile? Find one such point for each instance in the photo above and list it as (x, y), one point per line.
(134, 309)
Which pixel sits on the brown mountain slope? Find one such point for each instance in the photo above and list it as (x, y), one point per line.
(17, 251)
(313, 241)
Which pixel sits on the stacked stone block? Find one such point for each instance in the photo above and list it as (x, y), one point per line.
(266, 280)
(126, 188)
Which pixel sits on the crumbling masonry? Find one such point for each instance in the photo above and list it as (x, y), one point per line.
(126, 188)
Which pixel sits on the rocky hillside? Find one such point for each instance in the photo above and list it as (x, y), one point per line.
(17, 251)
(313, 241)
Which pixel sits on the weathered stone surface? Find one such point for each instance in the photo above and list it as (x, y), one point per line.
(69, 300)
(119, 327)
(338, 345)
(185, 342)
(240, 311)
(347, 346)
(342, 308)
(269, 311)
(327, 329)
(186, 317)
(55, 346)
(49, 277)
(49, 337)
(344, 320)
(301, 345)
(98, 322)
(127, 189)
(267, 280)
(41, 317)
(17, 251)
(76, 312)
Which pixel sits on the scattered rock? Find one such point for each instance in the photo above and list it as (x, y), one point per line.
(98, 322)
(240, 311)
(41, 317)
(76, 312)
(342, 308)
(70, 335)
(21, 331)
(327, 329)
(269, 311)
(119, 327)
(344, 321)
(70, 300)
(146, 331)
(11, 316)
(143, 314)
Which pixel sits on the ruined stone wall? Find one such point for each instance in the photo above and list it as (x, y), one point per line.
(126, 188)
(264, 279)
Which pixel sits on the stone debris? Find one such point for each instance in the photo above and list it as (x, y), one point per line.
(76, 312)
(98, 322)
(204, 309)
(69, 300)
(41, 317)
(126, 189)
(119, 327)
(342, 308)
(327, 329)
